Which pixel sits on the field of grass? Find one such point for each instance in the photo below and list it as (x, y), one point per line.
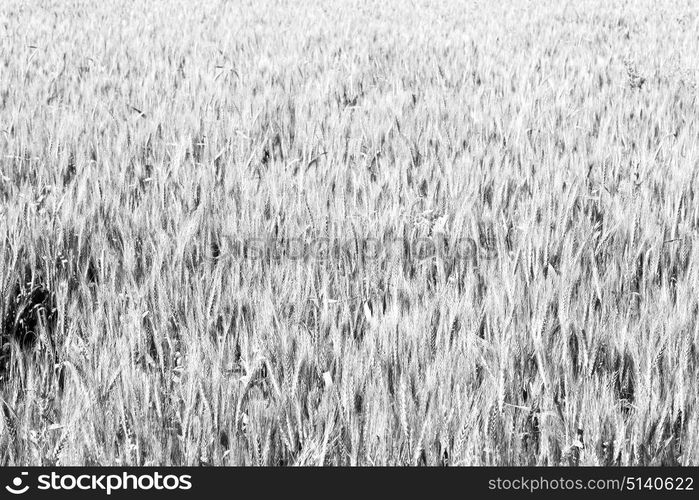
(549, 150)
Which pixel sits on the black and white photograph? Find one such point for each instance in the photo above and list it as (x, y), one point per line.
(339, 233)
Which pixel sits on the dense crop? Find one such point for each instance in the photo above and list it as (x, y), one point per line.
(513, 187)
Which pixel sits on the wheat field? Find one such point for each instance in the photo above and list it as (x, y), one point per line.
(150, 151)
